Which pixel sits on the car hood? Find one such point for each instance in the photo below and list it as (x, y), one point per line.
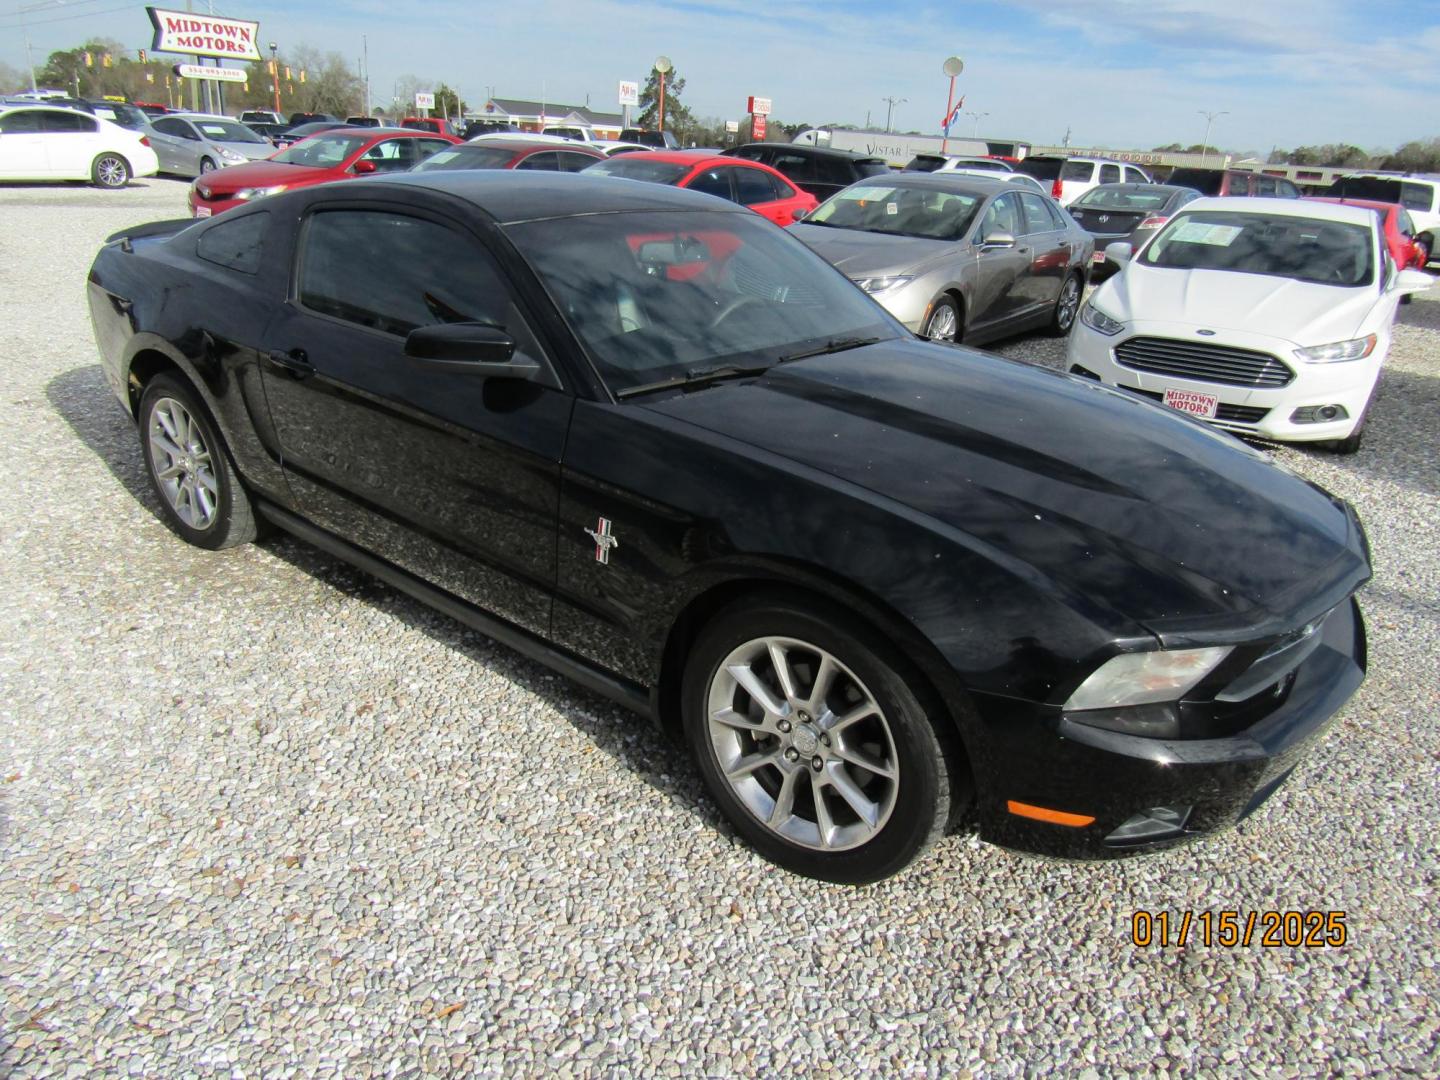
(253, 151)
(1298, 311)
(859, 254)
(1113, 502)
(264, 174)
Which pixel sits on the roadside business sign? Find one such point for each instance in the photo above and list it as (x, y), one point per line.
(629, 93)
(757, 127)
(204, 35)
(219, 74)
(758, 106)
(732, 126)
(424, 101)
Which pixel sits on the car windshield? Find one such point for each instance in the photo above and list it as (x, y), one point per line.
(871, 167)
(226, 131)
(1276, 245)
(322, 151)
(668, 294)
(899, 211)
(127, 116)
(924, 163)
(657, 172)
(1122, 198)
(477, 156)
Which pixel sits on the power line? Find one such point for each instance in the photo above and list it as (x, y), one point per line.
(63, 18)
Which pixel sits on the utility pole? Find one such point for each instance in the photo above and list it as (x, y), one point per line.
(365, 46)
(1205, 143)
(890, 111)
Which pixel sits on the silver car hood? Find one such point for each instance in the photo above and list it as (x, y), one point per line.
(859, 254)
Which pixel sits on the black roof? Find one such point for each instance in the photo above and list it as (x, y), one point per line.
(510, 197)
(813, 151)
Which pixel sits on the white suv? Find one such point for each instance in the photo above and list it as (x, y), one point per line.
(1070, 177)
(1419, 195)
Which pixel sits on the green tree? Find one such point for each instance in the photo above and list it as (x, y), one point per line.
(65, 69)
(677, 117)
(447, 102)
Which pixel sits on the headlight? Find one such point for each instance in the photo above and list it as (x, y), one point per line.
(1336, 351)
(229, 155)
(882, 284)
(1146, 677)
(1097, 320)
(245, 194)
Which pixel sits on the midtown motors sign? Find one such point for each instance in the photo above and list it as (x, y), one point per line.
(204, 35)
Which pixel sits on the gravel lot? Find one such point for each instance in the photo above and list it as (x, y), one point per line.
(261, 815)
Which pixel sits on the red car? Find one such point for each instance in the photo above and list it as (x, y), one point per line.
(513, 154)
(749, 183)
(1408, 252)
(330, 155)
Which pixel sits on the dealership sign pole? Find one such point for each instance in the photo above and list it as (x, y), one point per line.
(952, 67)
(662, 65)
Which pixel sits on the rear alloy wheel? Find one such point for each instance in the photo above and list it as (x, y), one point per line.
(943, 323)
(813, 745)
(110, 171)
(200, 494)
(1066, 305)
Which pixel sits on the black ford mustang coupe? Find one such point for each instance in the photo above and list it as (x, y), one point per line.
(651, 440)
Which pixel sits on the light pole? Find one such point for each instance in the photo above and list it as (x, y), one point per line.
(275, 76)
(952, 67)
(1205, 143)
(662, 65)
(977, 117)
(891, 102)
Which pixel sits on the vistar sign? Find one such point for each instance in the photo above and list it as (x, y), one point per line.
(204, 35)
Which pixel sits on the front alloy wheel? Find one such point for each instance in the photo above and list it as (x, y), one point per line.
(944, 322)
(802, 743)
(812, 741)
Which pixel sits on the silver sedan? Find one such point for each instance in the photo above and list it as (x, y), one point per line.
(189, 144)
(955, 257)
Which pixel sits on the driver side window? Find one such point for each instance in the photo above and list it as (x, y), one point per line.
(1003, 215)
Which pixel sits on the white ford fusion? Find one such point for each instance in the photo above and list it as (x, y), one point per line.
(1264, 316)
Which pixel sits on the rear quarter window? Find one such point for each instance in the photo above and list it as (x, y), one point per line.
(1078, 170)
(1417, 196)
(237, 244)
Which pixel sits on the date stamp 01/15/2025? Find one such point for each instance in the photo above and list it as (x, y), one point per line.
(1232, 929)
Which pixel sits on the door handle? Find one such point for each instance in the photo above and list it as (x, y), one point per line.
(294, 361)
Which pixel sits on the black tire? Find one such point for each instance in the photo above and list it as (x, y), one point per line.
(110, 171)
(1427, 241)
(206, 166)
(945, 312)
(208, 484)
(1348, 445)
(1067, 306)
(912, 809)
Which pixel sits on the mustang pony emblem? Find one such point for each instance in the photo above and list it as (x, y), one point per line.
(604, 541)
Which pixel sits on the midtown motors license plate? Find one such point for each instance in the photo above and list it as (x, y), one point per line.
(1188, 401)
(1098, 257)
(202, 211)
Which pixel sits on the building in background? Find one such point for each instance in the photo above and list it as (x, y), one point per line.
(534, 115)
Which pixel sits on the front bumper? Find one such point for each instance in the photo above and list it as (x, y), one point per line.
(1267, 412)
(1052, 760)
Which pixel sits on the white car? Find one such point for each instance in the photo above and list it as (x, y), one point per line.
(1070, 177)
(39, 142)
(1269, 317)
(1019, 180)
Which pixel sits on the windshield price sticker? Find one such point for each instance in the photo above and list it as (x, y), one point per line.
(892, 208)
(1199, 232)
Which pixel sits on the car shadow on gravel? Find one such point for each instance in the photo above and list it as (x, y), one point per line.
(85, 402)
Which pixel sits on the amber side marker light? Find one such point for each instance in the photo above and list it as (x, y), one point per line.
(1055, 817)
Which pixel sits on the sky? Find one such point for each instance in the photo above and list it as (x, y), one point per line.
(1115, 73)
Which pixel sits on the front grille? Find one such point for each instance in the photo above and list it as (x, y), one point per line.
(1236, 414)
(1203, 361)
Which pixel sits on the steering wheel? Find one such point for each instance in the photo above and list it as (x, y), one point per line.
(730, 307)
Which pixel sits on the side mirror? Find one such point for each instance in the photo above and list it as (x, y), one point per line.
(1412, 281)
(468, 348)
(996, 240)
(800, 214)
(363, 167)
(1119, 252)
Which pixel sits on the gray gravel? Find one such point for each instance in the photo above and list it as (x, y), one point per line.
(260, 815)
